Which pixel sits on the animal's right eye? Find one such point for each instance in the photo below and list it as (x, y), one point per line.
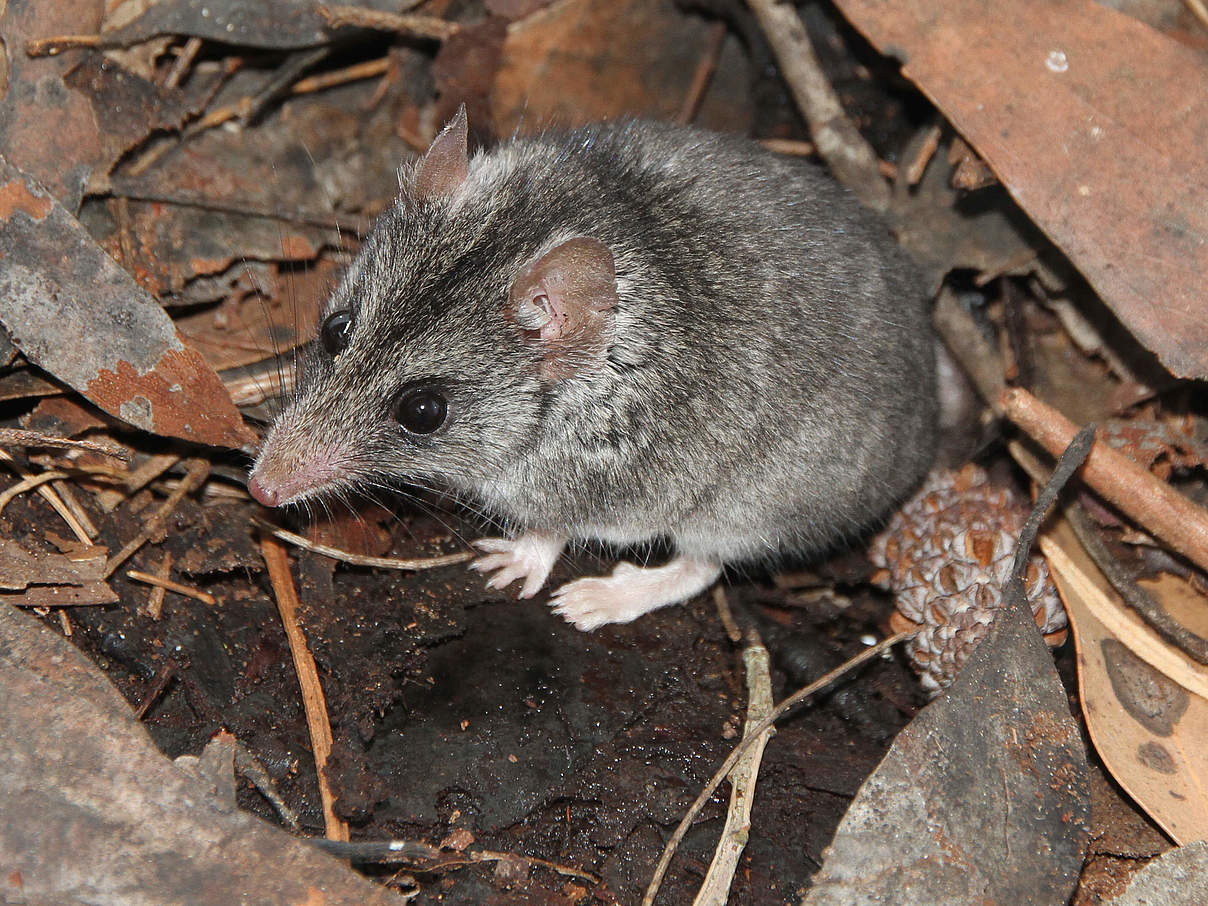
(334, 331)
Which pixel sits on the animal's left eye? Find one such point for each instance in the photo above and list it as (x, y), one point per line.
(421, 410)
(335, 330)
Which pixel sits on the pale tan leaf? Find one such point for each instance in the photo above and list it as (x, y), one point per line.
(1145, 703)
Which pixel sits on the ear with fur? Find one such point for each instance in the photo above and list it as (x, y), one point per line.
(564, 301)
(446, 162)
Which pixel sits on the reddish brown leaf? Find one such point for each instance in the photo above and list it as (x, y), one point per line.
(45, 128)
(76, 314)
(126, 108)
(580, 60)
(67, 119)
(1097, 125)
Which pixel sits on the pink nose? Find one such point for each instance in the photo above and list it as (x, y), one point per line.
(267, 496)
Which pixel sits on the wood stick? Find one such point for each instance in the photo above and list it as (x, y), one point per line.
(360, 559)
(27, 484)
(725, 615)
(750, 739)
(170, 585)
(405, 24)
(715, 890)
(149, 471)
(313, 700)
(77, 510)
(155, 603)
(184, 60)
(789, 146)
(840, 144)
(1134, 490)
(365, 70)
(51, 497)
(703, 74)
(19, 437)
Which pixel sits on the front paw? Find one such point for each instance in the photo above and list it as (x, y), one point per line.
(530, 557)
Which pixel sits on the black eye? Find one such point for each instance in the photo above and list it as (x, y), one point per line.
(421, 411)
(334, 331)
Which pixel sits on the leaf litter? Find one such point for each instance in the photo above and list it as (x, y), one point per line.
(182, 184)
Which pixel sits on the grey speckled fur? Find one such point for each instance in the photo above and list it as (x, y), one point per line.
(770, 387)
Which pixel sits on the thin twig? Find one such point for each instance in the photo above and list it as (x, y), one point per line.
(353, 225)
(171, 585)
(431, 858)
(1140, 495)
(280, 83)
(750, 739)
(486, 855)
(354, 73)
(1069, 461)
(928, 143)
(73, 504)
(379, 20)
(313, 700)
(27, 484)
(196, 472)
(155, 603)
(17, 437)
(184, 60)
(724, 614)
(149, 471)
(1146, 606)
(159, 684)
(791, 147)
(359, 559)
(715, 890)
(1199, 10)
(52, 47)
(969, 347)
(704, 74)
(840, 144)
(49, 495)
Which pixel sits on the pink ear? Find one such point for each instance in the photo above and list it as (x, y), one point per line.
(446, 162)
(564, 300)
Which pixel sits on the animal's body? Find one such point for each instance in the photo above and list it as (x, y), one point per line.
(625, 332)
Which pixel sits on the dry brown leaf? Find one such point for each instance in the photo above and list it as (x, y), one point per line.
(19, 568)
(62, 595)
(999, 750)
(247, 330)
(1180, 599)
(1145, 703)
(76, 314)
(1096, 124)
(580, 60)
(93, 812)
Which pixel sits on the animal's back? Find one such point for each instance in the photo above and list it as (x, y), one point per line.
(771, 383)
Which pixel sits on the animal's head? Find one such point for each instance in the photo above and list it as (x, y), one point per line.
(433, 356)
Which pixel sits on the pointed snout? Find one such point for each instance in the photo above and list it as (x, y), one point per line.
(267, 495)
(293, 467)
